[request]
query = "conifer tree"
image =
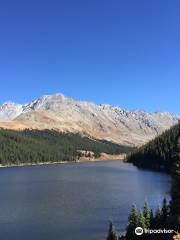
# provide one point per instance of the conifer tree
(133, 222)
(147, 214)
(175, 204)
(151, 220)
(157, 219)
(141, 220)
(112, 234)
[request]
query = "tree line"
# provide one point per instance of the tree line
(146, 219)
(162, 153)
(34, 146)
(158, 154)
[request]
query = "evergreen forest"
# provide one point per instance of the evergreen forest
(162, 154)
(38, 146)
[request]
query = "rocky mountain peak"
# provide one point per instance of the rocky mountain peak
(100, 121)
(10, 110)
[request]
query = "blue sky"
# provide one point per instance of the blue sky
(125, 53)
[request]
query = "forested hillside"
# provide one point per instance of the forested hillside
(158, 153)
(162, 153)
(33, 146)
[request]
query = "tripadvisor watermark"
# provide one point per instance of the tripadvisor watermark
(158, 231)
(140, 231)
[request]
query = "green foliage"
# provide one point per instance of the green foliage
(175, 192)
(148, 214)
(133, 222)
(147, 220)
(159, 153)
(158, 217)
(152, 225)
(112, 234)
(33, 146)
(141, 220)
(162, 153)
(137, 218)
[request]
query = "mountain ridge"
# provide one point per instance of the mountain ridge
(102, 121)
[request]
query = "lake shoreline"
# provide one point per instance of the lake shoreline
(103, 157)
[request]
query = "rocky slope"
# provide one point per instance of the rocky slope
(100, 121)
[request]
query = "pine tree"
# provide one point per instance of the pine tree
(147, 214)
(133, 222)
(152, 220)
(157, 219)
(112, 234)
(141, 220)
(175, 204)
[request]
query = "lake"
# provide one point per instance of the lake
(74, 201)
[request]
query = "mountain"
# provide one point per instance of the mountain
(10, 110)
(131, 128)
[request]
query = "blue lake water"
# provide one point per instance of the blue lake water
(73, 201)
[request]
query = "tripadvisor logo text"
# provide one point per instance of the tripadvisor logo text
(139, 231)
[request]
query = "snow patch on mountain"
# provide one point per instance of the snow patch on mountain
(10, 110)
(101, 121)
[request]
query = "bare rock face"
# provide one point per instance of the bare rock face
(58, 112)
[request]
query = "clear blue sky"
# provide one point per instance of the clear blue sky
(122, 52)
